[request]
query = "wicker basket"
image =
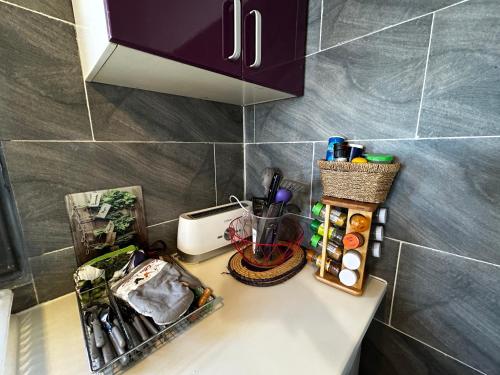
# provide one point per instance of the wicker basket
(360, 182)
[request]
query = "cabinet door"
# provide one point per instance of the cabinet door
(196, 32)
(274, 40)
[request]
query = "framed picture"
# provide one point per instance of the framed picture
(105, 220)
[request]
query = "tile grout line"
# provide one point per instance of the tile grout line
(378, 139)
(429, 346)
(244, 171)
(320, 27)
(163, 222)
(254, 123)
(258, 143)
(425, 76)
(387, 27)
(34, 288)
(445, 252)
(215, 177)
(51, 252)
(103, 141)
(395, 282)
(37, 12)
(88, 109)
(312, 175)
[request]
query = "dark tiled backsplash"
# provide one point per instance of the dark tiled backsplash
(41, 85)
(370, 87)
(389, 352)
(166, 144)
(446, 196)
(123, 114)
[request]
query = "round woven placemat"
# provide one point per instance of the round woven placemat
(250, 275)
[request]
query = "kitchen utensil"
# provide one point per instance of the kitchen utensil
(149, 326)
(93, 322)
(283, 195)
(114, 332)
(267, 176)
(292, 185)
(273, 188)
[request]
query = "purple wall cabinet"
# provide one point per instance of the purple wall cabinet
(195, 32)
(274, 42)
(234, 51)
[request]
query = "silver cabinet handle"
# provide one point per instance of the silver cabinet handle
(258, 39)
(237, 31)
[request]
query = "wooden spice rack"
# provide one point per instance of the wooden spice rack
(354, 207)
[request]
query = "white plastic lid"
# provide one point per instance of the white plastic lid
(381, 215)
(378, 233)
(348, 277)
(351, 260)
(376, 249)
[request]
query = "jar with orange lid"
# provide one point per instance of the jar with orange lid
(359, 223)
(353, 240)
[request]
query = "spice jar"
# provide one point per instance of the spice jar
(359, 223)
(348, 277)
(330, 265)
(334, 234)
(333, 250)
(353, 240)
(380, 216)
(337, 217)
(352, 260)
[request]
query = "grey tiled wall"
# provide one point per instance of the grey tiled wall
(420, 80)
(187, 154)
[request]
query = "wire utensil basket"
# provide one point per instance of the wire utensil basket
(136, 353)
(265, 242)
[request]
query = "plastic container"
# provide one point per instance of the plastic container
(359, 223)
(265, 242)
(331, 146)
(334, 234)
(381, 215)
(348, 277)
(337, 217)
(352, 260)
(330, 265)
(333, 250)
(377, 233)
(353, 240)
(379, 158)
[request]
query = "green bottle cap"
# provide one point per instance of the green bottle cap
(379, 158)
(315, 240)
(315, 225)
(316, 209)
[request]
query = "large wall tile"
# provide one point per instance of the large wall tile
(388, 352)
(41, 84)
(294, 161)
(166, 232)
(344, 20)
(450, 303)
(229, 167)
(385, 268)
(249, 131)
(313, 26)
(175, 178)
(24, 297)
(370, 88)
(462, 93)
(121, 113)
(61, 9)
(53, 273)
(442, 199)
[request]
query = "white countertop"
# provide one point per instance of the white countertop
(301, 326)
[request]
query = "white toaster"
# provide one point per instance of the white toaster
(202, 234)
